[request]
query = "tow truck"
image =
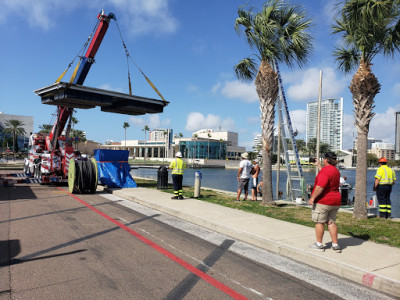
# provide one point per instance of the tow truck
(52, 158)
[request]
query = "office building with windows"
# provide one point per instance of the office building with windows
(331, 131)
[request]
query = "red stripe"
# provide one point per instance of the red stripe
(219, 285)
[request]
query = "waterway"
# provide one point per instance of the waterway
(225, 179)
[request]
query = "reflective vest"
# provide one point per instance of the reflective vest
(177, 166)
(385, 175)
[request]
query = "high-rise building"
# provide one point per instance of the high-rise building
(331, 122)
(397, 135)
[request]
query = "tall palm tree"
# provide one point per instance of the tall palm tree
(367, 28)
(14, 127)
(125, 126)
(279, 33)
(145, 129)
(45, 128)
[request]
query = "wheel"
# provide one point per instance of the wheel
(72, 177)
(96, 171)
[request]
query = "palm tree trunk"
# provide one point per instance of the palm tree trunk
(360, 209)
(267, 89)
(364, 88)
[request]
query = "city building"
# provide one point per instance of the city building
(370, 141)
(208, 145)
(397, 136)
(331, 122)
(28, 127)
(383, 150)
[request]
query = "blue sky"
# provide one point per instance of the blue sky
(188, 49)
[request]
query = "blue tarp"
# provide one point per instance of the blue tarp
(114, 168)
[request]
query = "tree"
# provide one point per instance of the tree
(45, 128)
(14, 127)
(125, 126)
(145, 129)
(367, 28)
(278, 34)
(372, 160)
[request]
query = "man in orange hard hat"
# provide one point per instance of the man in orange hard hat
(385, 178)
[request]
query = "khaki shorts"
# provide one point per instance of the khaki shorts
(324, 213)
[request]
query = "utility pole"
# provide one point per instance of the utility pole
(319, 119)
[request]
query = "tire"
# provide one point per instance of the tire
(72, 177)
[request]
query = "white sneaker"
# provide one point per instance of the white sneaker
(316, 247)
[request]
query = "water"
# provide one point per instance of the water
(225, 179)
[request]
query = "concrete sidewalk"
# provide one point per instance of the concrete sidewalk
(373, 265)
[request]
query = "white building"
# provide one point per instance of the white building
(331, 122)
(383, 150)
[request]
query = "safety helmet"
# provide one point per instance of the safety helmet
(383, 160)
(178, 154)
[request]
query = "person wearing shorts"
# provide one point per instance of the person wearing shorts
(325, 200)
(243, 176)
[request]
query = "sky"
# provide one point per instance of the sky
(188, 49)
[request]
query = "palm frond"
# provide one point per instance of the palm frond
(246, 69)
(347, 59)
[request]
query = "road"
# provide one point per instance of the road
(54, 245)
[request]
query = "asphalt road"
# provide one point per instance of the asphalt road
(54, 245)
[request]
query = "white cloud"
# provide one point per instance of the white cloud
(140, 16)
(153, 121)
(299, 119)
(39, 13)
(304, 84)
(196, 121)
(383, 125)
(237, 90)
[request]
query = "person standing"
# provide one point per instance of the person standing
(243, 176)
(256, 170)
(178, 166)
(325, 200)
(385, 178)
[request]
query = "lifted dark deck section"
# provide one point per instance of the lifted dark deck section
(78, 96)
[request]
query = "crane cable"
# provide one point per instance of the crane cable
(78, 55)
(144, 75)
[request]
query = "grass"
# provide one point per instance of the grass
(377, 230)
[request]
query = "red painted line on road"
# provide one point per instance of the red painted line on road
(219, 285)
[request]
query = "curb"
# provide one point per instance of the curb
(354, 274)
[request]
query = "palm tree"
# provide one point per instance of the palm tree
(14, 127)
(367, 28)
(145, 129)
(45, 128)
(125, 126)
(278, 34)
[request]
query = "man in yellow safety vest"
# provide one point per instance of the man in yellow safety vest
(385, 178)
(178, 166)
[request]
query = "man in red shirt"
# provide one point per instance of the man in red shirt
(325, 200)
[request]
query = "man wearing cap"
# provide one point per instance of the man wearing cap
(178, 166)
(385, 178)
(243, 176)
(325, 200)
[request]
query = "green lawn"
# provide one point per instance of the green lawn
(374, 229)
